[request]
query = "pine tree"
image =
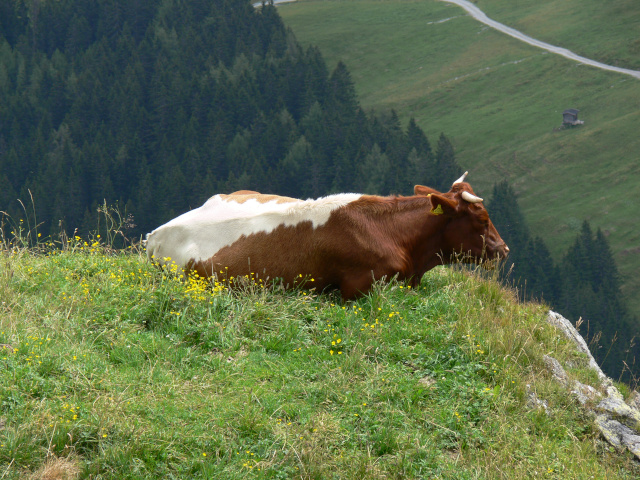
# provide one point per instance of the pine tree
(539, 272)
(342, 92)
(419, 169)
(374, 171)
(420, 163)
(591, 292)
(529, 267)
(288, 172)
(605, 276)
(507, 216)
(417, 139)
(446, 169)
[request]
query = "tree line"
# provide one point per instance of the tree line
(155, 105)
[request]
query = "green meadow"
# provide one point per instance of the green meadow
(112, 369)
(606, 32)
(500, 101)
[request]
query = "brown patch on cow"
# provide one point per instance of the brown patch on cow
(271, 254)
(359, 244)
(242, 196)
(245, 192)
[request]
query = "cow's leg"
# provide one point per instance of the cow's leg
(354, 286)
(415, 280)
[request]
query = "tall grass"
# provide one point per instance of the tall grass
(111, 368)
(22, 232)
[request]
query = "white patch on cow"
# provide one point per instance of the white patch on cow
(221, 221)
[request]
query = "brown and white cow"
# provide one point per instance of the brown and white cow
(344, 241)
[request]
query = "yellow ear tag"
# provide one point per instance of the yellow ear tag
(438, 210)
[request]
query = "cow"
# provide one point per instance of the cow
(344, 241)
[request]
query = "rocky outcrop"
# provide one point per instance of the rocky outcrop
(617, 420)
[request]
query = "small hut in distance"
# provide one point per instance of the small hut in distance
(570, 118)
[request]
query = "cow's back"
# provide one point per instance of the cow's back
(252, 221)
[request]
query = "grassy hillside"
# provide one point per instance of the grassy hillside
(110, 369)
(606, 32)
(499, 100)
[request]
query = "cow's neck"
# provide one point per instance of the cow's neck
(423, 238)
(411, 226)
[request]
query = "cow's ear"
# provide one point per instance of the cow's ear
(441, 205)
(422, 190)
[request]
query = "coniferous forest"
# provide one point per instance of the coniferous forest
(155, 105)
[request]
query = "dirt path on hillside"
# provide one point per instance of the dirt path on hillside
(479, 15)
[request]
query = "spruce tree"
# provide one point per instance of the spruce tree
(591, 292)
(507, 216)
(374, 171)
(417, 139)
(342, 92)
(446, 169)
(529, 267)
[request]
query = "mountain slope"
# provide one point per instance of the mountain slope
(604, 32)
(112, 369)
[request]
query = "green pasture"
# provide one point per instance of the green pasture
(111, 369)
(500, 101)
(608, 32)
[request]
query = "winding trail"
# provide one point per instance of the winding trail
(479, 15)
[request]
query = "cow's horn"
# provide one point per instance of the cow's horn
(461, 179)
(471, 198)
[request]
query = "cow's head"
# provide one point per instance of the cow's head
(468, 229)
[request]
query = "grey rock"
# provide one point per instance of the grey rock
(634, 400)
(621, 411)
(556, 369)
(584, 393)
(618, 435)
(618, 421)
(533, 402)
(569, 330)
